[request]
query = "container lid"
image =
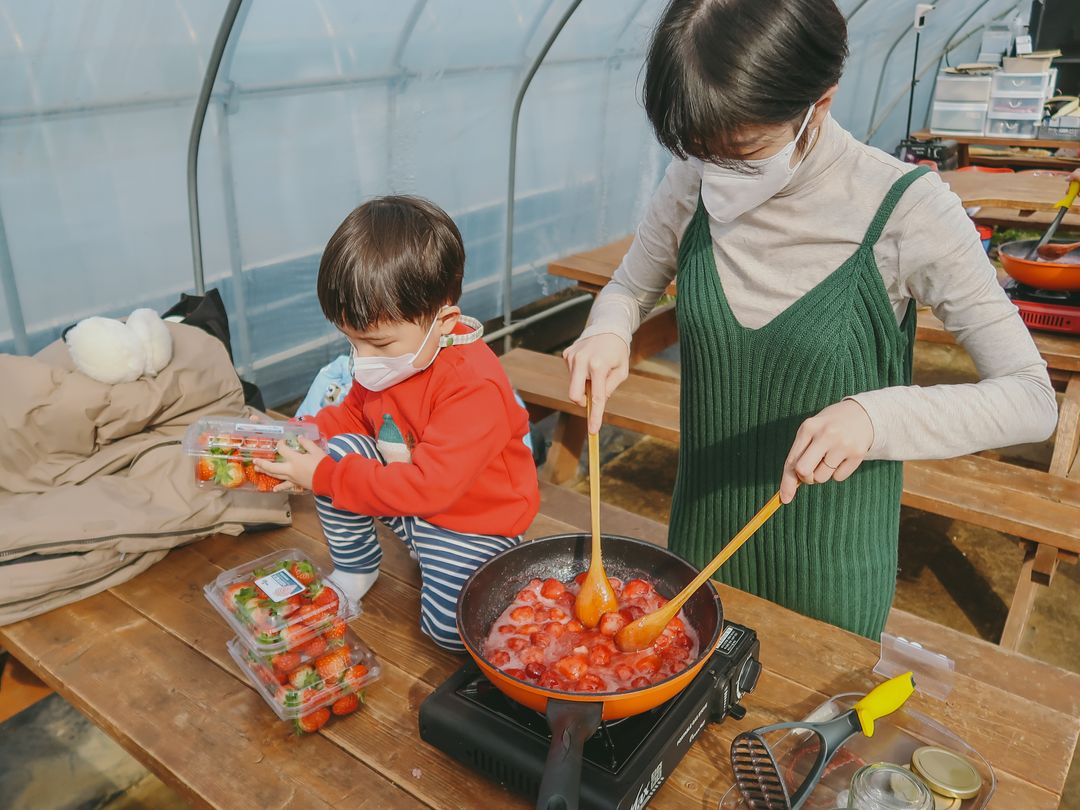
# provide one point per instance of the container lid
(945, 772)
(330, 666)
(222, 435)
(1010, 75)
(277, 602)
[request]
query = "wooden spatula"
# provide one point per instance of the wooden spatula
(640, 634)
(1055, 250)
(596, 596)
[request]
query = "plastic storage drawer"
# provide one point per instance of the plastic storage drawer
(962, 119)
(1017, 105)
(1031, 83)
(962, 88)
(1012, 127)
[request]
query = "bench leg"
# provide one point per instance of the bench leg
(1037, 571)
(564, 454)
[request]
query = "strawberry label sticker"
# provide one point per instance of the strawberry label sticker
(279, 585)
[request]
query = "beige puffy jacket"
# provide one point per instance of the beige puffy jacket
(94, 485)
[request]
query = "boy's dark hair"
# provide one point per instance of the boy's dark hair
(717, 66)
(396, 258)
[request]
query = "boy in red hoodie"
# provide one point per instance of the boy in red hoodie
(430, 438)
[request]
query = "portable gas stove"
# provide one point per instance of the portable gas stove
(625, 761)
(1048, 310)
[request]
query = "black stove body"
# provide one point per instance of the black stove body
(625, 761)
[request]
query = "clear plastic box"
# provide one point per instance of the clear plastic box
(1017, 104)
(1012, 127)
(277, 602)
(1020, 82)
(895, 739)
(951, 87)
(223, 449)
(296, 686)
(965, 119)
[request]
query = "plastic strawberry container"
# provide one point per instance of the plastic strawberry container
(294, 683)
(277, 602)
(223, 450)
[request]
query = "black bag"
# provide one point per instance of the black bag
(207, 312)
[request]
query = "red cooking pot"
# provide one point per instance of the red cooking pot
(574, 716)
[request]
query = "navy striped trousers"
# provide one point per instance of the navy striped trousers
(446, 557)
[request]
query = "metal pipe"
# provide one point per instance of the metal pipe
(11, 294)
(508, 267)
(555, 309)
(201, 106)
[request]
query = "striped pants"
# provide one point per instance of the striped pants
(447, 558)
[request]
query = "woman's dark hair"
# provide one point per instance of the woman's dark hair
(717, 66)
(393, 259)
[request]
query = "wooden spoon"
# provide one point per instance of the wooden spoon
(596, 596)
(638, 635)
(1055, 250)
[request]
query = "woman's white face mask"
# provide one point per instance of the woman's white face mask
(728, 193)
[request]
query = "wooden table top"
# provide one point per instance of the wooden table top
(989, 140)
(592, 269)
(146, 660)
(1026, 191)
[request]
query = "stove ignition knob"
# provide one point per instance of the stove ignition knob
(736, 711)
(748, 677)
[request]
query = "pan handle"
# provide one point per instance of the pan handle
(571, 723)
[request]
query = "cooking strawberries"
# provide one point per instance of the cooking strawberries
(537, 639)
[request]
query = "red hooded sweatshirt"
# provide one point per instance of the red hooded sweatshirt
(470, 470)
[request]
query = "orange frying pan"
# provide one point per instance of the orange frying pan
(1062, 274)
(575, 716)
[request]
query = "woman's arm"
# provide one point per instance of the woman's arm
(943, 264)
(602, 353)
(650, 264)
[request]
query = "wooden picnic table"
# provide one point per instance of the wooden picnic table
(1018, 200)
(146, 661)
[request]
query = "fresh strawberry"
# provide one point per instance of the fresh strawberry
(205, 469)
(313, 648)
(250, 472)
(237, 594)
(313, 615)
(265, 482)
(312, 722)
(268, 637)
(345, 705)
(287, 697)
(295, 634)
(231, 475)
(286, 661)
(331, 665)
(327, 598)
(302, 677)
(304, 572)
(336, 632)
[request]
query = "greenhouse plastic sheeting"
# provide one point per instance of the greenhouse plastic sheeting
(321, 104)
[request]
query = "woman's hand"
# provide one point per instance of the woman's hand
(296, 468)
(1073, 178)
(603, 359)
(829, 446)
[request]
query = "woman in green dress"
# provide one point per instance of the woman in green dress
(799, 255)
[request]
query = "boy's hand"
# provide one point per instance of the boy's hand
(295, 468)
(829, 446)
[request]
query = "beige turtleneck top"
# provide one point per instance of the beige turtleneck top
(930, 252)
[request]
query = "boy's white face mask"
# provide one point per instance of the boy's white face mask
(728, 193)
(379, 373)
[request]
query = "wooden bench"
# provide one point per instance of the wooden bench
(146, 660)
(1040, 508)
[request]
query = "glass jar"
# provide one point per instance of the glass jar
(884, 786)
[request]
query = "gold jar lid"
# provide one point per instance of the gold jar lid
(941, 802)
(946, 773)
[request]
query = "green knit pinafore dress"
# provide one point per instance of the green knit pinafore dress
(832, 552)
